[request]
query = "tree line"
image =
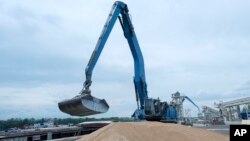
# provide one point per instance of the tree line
(22, 123)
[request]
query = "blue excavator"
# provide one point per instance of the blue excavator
(85, 104)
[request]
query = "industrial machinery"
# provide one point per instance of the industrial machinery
(147, 108)
(235, 111)
(212, 116)
(178, 100)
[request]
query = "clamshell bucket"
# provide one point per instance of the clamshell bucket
(83, 105)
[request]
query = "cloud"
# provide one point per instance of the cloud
(200, 48)
(41, 101)
(29, 102)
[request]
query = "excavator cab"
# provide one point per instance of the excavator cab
(83, 105)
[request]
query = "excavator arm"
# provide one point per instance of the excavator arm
(120, 11)
(85, 104)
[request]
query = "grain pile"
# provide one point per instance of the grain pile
(152, 131)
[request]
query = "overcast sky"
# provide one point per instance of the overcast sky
(200, 48)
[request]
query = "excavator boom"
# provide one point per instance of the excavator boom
(85, 104)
